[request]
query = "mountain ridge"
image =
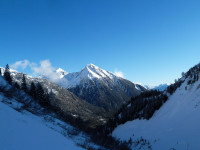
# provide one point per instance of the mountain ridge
(100, 87)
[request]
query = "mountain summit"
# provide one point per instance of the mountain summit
(99, 87)
(90, 72)
(93, 71)
(61, 72)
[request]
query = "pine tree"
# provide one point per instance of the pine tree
(47, 99)
(40, 94)
(130, 142)
(7, 75)
(0, 72)
(33, 90)
(16, 85)
(24, 86)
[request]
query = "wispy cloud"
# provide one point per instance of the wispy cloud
(46, 69)
(20, 64)
(119, 73)
(43, 68)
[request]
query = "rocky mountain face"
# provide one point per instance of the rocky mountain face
(100, 88)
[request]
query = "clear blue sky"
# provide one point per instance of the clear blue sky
(150, 41)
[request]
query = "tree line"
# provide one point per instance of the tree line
(142, 106)
(36, 91)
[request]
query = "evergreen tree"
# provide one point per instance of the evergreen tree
(7, 75)
(33, 90)
(40, 94)
(46, 99)
(130, 141)
(24, 86)
(16, 85)
(0, 72)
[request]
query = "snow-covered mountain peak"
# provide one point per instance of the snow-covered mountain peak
(100, 87)
(61, 72)
(91, 71)
(91, 66)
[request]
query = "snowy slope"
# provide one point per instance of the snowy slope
(176, 125)
(21, 132)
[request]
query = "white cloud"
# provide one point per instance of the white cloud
(20, 64)
(46, 69)
(119, 73)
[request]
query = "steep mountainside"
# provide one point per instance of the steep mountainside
(22, 132)
(67, 102)
(176, 124)
(100, 87)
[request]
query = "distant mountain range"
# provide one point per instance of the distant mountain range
(160, 87)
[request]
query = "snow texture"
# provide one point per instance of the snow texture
(61, 72)
(175, 126)
(21, 132)
(90, 72)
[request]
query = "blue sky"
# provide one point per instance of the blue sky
(150, 41)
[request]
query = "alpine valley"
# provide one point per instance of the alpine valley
(96, 109)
